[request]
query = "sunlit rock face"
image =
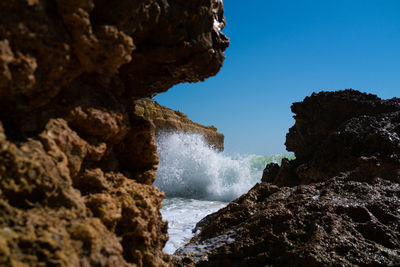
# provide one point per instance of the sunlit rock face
(337, 203)
(76, 163)
(164, 120)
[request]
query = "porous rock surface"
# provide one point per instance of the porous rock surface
(341, 131)
(76, 163)
(164, 120)
(336, 204)
(134, 47)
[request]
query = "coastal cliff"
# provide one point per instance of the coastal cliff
(337, 203)
(76, 163)
(163, 119)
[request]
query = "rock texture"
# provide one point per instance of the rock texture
(342, 131)
(135, 47)
(76, 162)
(163, 120)
(336, 204)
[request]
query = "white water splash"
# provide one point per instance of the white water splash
(190, 168)
(182, 215)
(198, 180)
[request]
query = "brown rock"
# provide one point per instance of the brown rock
(163, 119)
(108, 126)
(139, 48)
(43, 182)
(99, 48)
(59, 139)
(76, 162)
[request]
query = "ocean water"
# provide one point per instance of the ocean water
(198, 180)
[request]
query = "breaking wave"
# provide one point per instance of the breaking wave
(190, 168)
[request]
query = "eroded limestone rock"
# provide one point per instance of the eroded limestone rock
(163, 120)
(136, 47)
(76, 162)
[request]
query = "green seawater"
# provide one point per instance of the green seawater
(258, 162)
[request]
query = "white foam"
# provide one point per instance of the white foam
(198, 180)
(182, 215)
(190, 168)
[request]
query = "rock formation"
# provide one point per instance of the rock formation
(163, 119)
(336, 204)
(342, 131)
(76, 162)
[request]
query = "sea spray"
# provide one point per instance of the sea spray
(199, 180)
(190, 168)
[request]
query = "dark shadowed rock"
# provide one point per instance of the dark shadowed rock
(342, 131)
(338, 222)
(319, 115)
(336, 204)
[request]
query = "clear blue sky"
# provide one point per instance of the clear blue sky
(282, 51)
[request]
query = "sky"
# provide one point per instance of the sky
(284, 50)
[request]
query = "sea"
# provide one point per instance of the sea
(199, 180)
